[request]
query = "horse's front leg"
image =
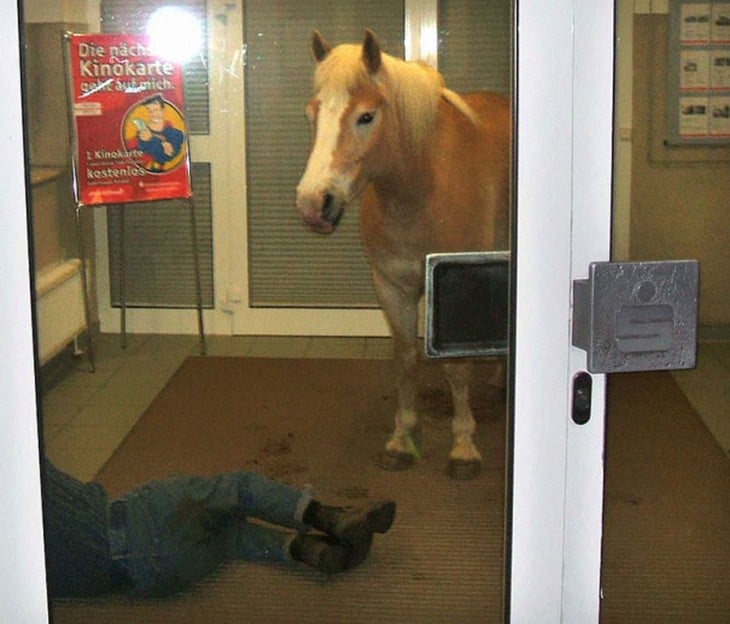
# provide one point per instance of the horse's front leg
(465, 461)
(400, 306)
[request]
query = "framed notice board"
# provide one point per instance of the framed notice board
(698, 110)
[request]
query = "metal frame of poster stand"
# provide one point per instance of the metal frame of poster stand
(77, 193)
(84, 289)
(196, 268)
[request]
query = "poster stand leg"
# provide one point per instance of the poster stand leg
(84, 289)
(198, 287)
(122, 281)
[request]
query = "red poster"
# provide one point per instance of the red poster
(130, 133)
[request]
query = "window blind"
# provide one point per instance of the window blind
(288, 265)
(475, 44)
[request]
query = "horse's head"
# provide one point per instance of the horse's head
(346, 113)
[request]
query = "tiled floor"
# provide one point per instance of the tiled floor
(86, 415)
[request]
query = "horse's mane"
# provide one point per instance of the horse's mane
(414, 87)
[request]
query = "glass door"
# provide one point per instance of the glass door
(563, 168)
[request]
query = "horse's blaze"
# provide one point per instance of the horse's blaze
(319, 199)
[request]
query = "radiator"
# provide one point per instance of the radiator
(59, 307)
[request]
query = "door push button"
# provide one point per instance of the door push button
(582, 393)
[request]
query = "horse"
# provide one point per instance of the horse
(432, 171)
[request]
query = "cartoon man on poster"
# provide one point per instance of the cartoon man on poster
(158, 132)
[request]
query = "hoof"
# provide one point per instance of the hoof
(464, 469)
(393, 460)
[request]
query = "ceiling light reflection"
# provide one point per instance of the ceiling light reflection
(174, 34)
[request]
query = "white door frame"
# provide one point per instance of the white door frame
(564, 137)
(22, 587)
(564, 145)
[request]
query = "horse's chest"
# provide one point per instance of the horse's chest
(396, 248)
(400, 269)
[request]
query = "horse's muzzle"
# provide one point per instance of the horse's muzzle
(326, 219)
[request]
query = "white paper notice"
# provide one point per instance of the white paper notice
(693, 117)
(695, 25)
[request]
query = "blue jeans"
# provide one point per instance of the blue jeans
(170, 533)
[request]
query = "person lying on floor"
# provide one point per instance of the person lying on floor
(167, 534)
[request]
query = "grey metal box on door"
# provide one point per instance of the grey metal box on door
(467, 304)
(637, 316)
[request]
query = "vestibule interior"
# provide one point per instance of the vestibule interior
(670, 201)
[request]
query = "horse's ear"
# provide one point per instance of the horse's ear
(371, 52)
(320, 47)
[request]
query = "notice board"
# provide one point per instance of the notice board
(698, 110)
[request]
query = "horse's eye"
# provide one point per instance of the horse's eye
(365, 119)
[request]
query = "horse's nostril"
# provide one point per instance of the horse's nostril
(327, 207)
(330, 212)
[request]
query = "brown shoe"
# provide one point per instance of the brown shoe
(327, 555)
(349, 525)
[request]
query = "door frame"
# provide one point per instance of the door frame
(22, 569)
(564, 115)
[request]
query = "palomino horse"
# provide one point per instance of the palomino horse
(432, 170)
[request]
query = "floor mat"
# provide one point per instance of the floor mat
(323, 422)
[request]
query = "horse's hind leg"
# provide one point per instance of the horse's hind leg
(465, 461)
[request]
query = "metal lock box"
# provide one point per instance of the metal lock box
(637, 316)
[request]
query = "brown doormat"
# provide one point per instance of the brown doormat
(666, 554)
(323, 422)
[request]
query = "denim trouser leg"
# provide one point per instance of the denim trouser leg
(248, 541)
(266, 499)
(172, 532)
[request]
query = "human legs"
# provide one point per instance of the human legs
(169, 533)
(274, 502)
